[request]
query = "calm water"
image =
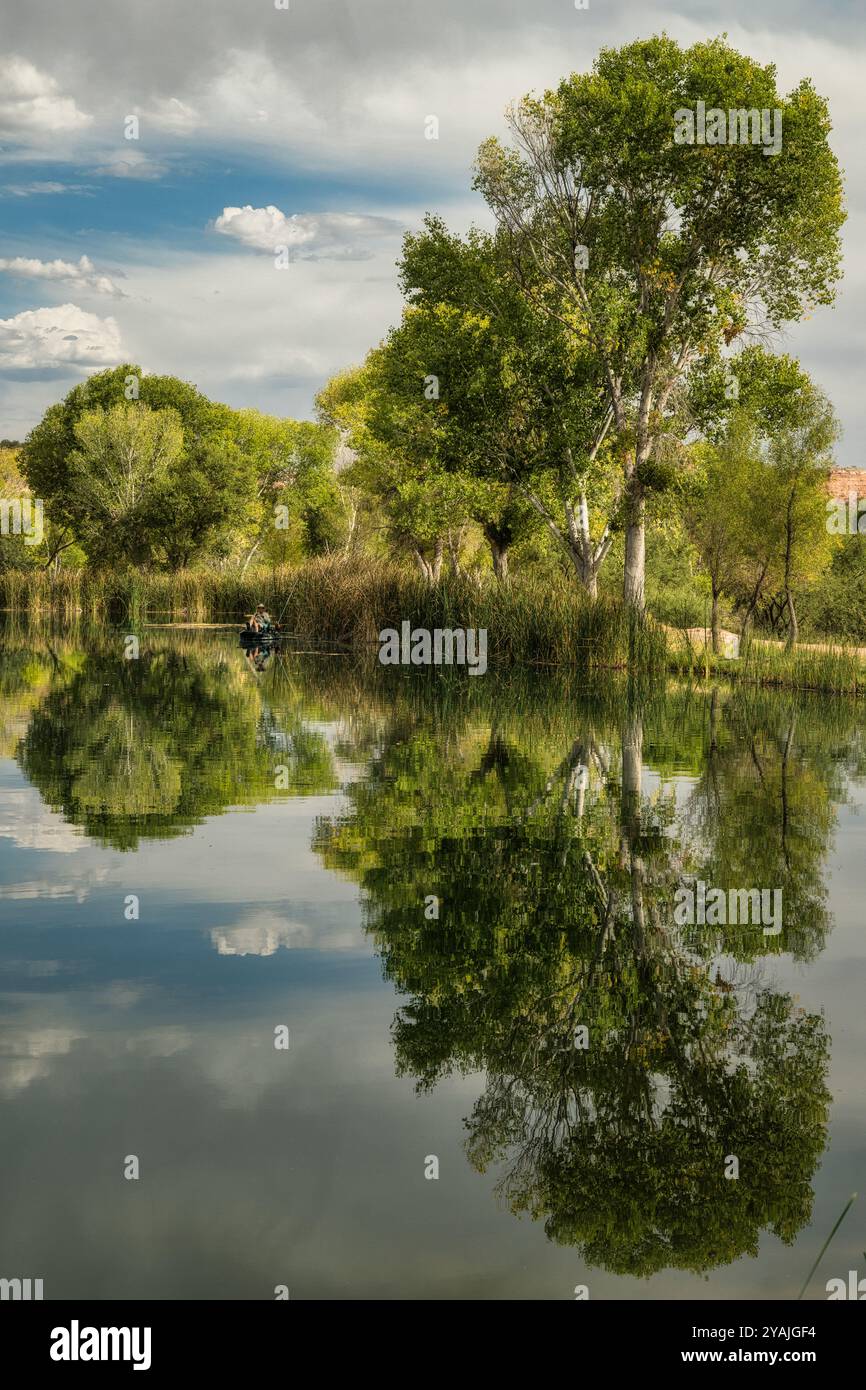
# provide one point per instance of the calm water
(289, 836)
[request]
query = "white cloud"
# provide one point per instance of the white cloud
(80, 273)
(263, 933)
(32, 104)
(130, 164)
(256, 89)
(250, 334)
(61, 336)
(170, 114)
(310, 236)
(31, 825)
(42, 187)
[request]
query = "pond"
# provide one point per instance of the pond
(356, 982)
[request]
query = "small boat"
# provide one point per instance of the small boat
(251, 638)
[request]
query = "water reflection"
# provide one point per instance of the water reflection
(132, 749)
(518, 851)
(624, 1066)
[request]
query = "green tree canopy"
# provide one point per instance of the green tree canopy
(656, 252)
(203, 495)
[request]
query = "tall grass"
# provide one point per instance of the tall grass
(349, 601)
(531, 620)
(838, 669)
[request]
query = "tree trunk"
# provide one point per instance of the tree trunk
(635, 549)
(793, 625)
(454, 551)
(716, 626)
(424, 566)
(436, 566)
(586, 570)
(499, 554)
(249, 557)
(750, 611)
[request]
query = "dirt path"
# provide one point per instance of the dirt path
(699, 637)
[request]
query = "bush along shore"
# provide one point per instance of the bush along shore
(347, 602)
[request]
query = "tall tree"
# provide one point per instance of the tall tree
(205, 496)
(123, 457)
(659, 251)
(398, 461)
(517, 398)
(296, 489)
(771, 447)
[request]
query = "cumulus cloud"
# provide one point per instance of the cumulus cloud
(81, 273)
(31, 102)
(65, 336)
(309, 236)
(340, 92)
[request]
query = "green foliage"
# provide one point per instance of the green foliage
(299, 507)
(567, 869)
(117, 478)
(835, 603)
(520, 395)
(680, 245)
(136, 750)
(203, 493)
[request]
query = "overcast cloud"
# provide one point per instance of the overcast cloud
(305, 127)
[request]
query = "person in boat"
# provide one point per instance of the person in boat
(261, 620)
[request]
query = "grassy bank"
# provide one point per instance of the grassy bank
(533, 621)
(839, 669)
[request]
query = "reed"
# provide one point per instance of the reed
(346, 601)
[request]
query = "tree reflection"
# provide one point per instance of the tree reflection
(626, 1058)
(147, 748)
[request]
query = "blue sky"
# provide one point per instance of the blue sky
(317, 113)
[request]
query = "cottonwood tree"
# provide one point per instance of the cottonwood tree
(444, 398)
(14, 552)
(800, 459)
(397, 462)
(294, 469)
(651, 252)
(207, 493)
(123, 456)
(518, 399)
(720, 511)
(769, 456)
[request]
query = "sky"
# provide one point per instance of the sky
(305, 126)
